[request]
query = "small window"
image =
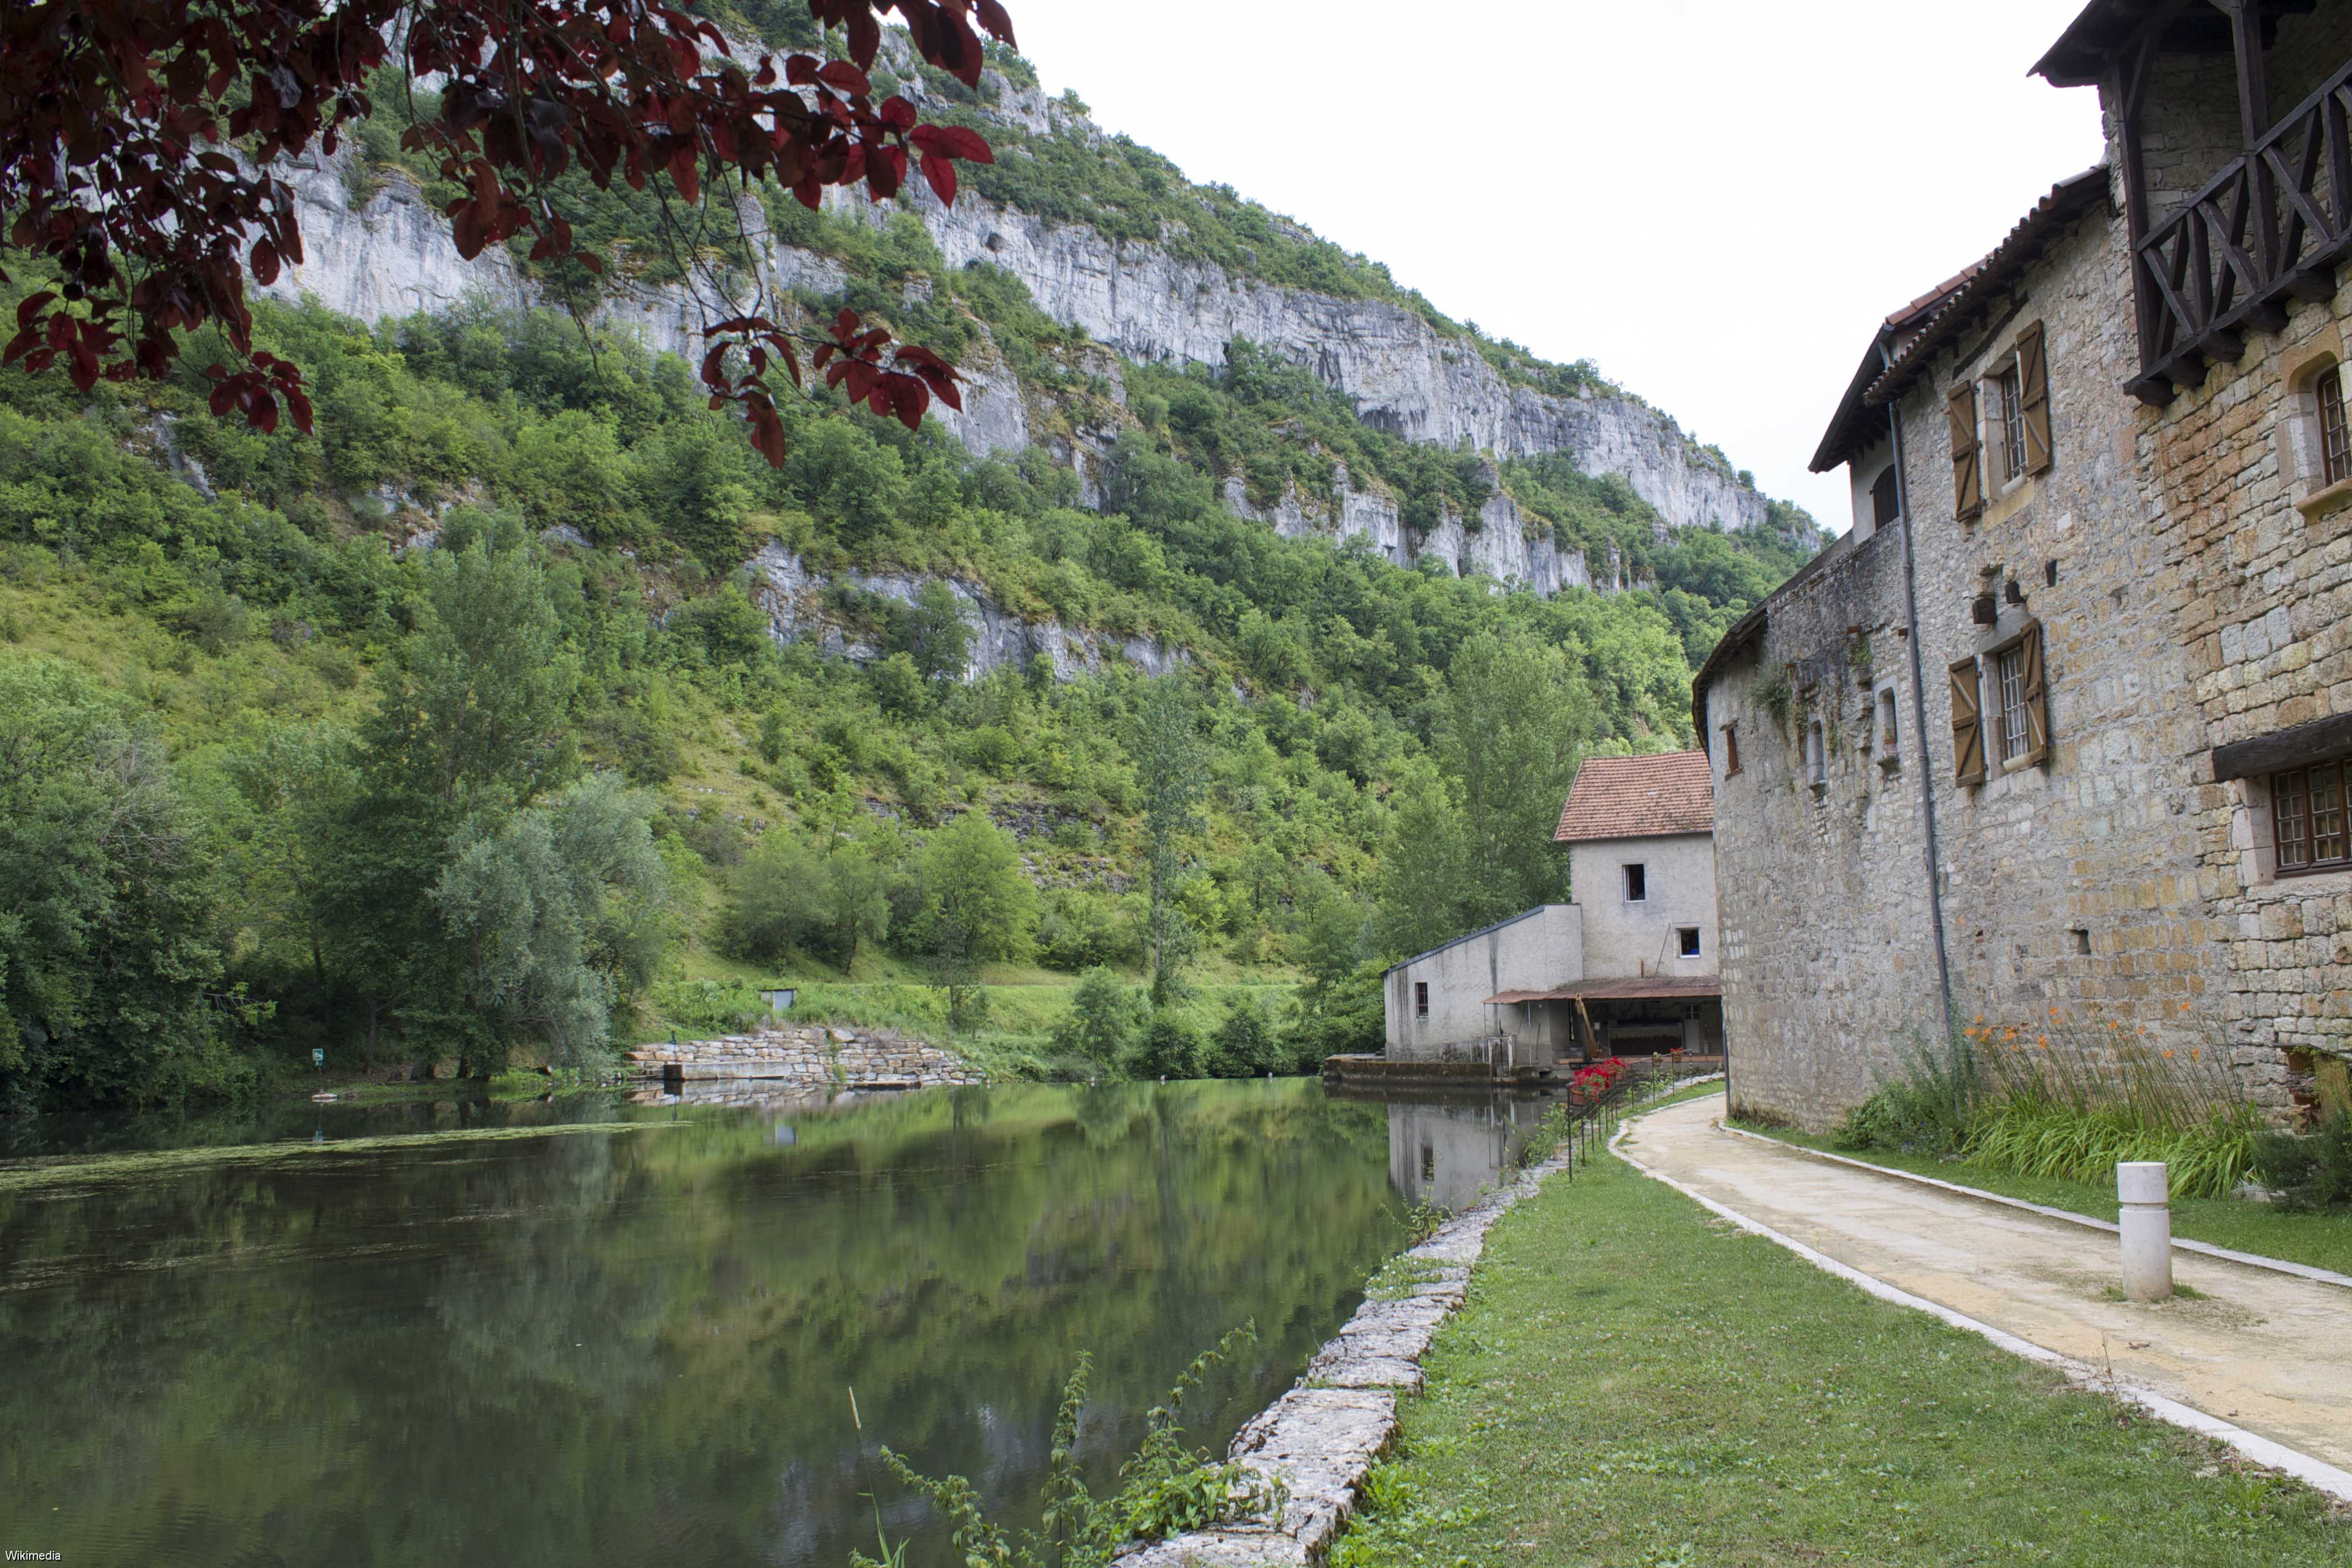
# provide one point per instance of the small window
(1817, 756)
(1637, 882)
(2307, 818)
(1730, 749)
(1686, 941)
(1884, 503)
(1420, 999)
(1888, 735)
(2008, 407)
(2008, 668)
(1428, 1162)
(2334, 442)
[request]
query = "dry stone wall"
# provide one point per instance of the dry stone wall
(784, 1059)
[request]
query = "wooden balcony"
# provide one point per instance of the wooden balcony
(2271, 227)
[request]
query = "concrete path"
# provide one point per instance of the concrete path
(2268, 1351)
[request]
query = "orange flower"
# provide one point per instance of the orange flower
(2053, 1012)
(2167, 1056)
(2195, 1051)
(1979, 1017)
(2044, 1042)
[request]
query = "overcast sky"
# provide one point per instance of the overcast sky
(1716, 201)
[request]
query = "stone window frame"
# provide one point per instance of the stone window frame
(2341, 766)
(1731, 750)
(1817, 756)
(2254, 838)
(2302, 456)
(1999, 372)
(1886, 724)
(1689, 942)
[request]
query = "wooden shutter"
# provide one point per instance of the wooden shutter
(2033, 391)
(1967, 724)
(1968, 455)
(2037, 707)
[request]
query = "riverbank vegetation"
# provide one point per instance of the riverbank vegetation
(1631, 1383)
(2065, 1096)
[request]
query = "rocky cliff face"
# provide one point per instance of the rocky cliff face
(384, 252)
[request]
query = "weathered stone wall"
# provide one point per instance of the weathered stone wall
(2184, 602)
(786, 1058)
(2262, 609)
(2189, 129)
(1827, 952)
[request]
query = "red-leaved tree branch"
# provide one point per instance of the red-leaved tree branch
(138, 140)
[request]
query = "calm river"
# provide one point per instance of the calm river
(593, 1333)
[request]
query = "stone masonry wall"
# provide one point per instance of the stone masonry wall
(785, 1058)
(2262, 609)
(2184, 601)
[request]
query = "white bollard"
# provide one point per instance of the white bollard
(2146, 1221)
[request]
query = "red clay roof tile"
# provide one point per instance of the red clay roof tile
(1639, 798)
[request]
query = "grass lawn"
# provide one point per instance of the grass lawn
(1634, 1385)
(2323, 1240)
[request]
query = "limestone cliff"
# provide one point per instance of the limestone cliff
(381, 252)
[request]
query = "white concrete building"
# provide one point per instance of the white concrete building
(1626, 969)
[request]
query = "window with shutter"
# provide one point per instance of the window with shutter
(2036, 704)
(1967, 456)
(1884, 502)
(1967, 724)
(2034, 396)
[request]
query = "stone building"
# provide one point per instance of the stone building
(2060, 729)
(1627, 968)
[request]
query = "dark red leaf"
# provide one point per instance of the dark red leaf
(942, 174)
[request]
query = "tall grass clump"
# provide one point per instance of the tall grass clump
(1927, 1106)
(2069, 1100)
(1166, 1488)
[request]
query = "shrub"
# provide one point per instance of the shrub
(1245, 1045)
(1102, 1018)
(1170, 1048)
(1925, 1109)
(2313, 1171)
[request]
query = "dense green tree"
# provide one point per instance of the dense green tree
(551, 914)
(1168, 1047)
(1104, 1018)
(1245, 1044)
(1171, 767)
(977, 904)
(107, 953)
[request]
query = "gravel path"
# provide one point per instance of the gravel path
(2268, 1351)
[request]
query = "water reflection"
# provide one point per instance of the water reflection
(1447, 1153)
(631, 1335)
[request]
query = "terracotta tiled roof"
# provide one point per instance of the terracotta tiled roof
(1639, 798)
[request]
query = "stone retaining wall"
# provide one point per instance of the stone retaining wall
(1319, 1441)
(807, 1058)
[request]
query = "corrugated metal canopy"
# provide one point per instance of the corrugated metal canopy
(1630, 988)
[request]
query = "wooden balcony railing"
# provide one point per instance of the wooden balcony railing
(2270, 228)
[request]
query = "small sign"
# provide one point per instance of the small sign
(317, 1057)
